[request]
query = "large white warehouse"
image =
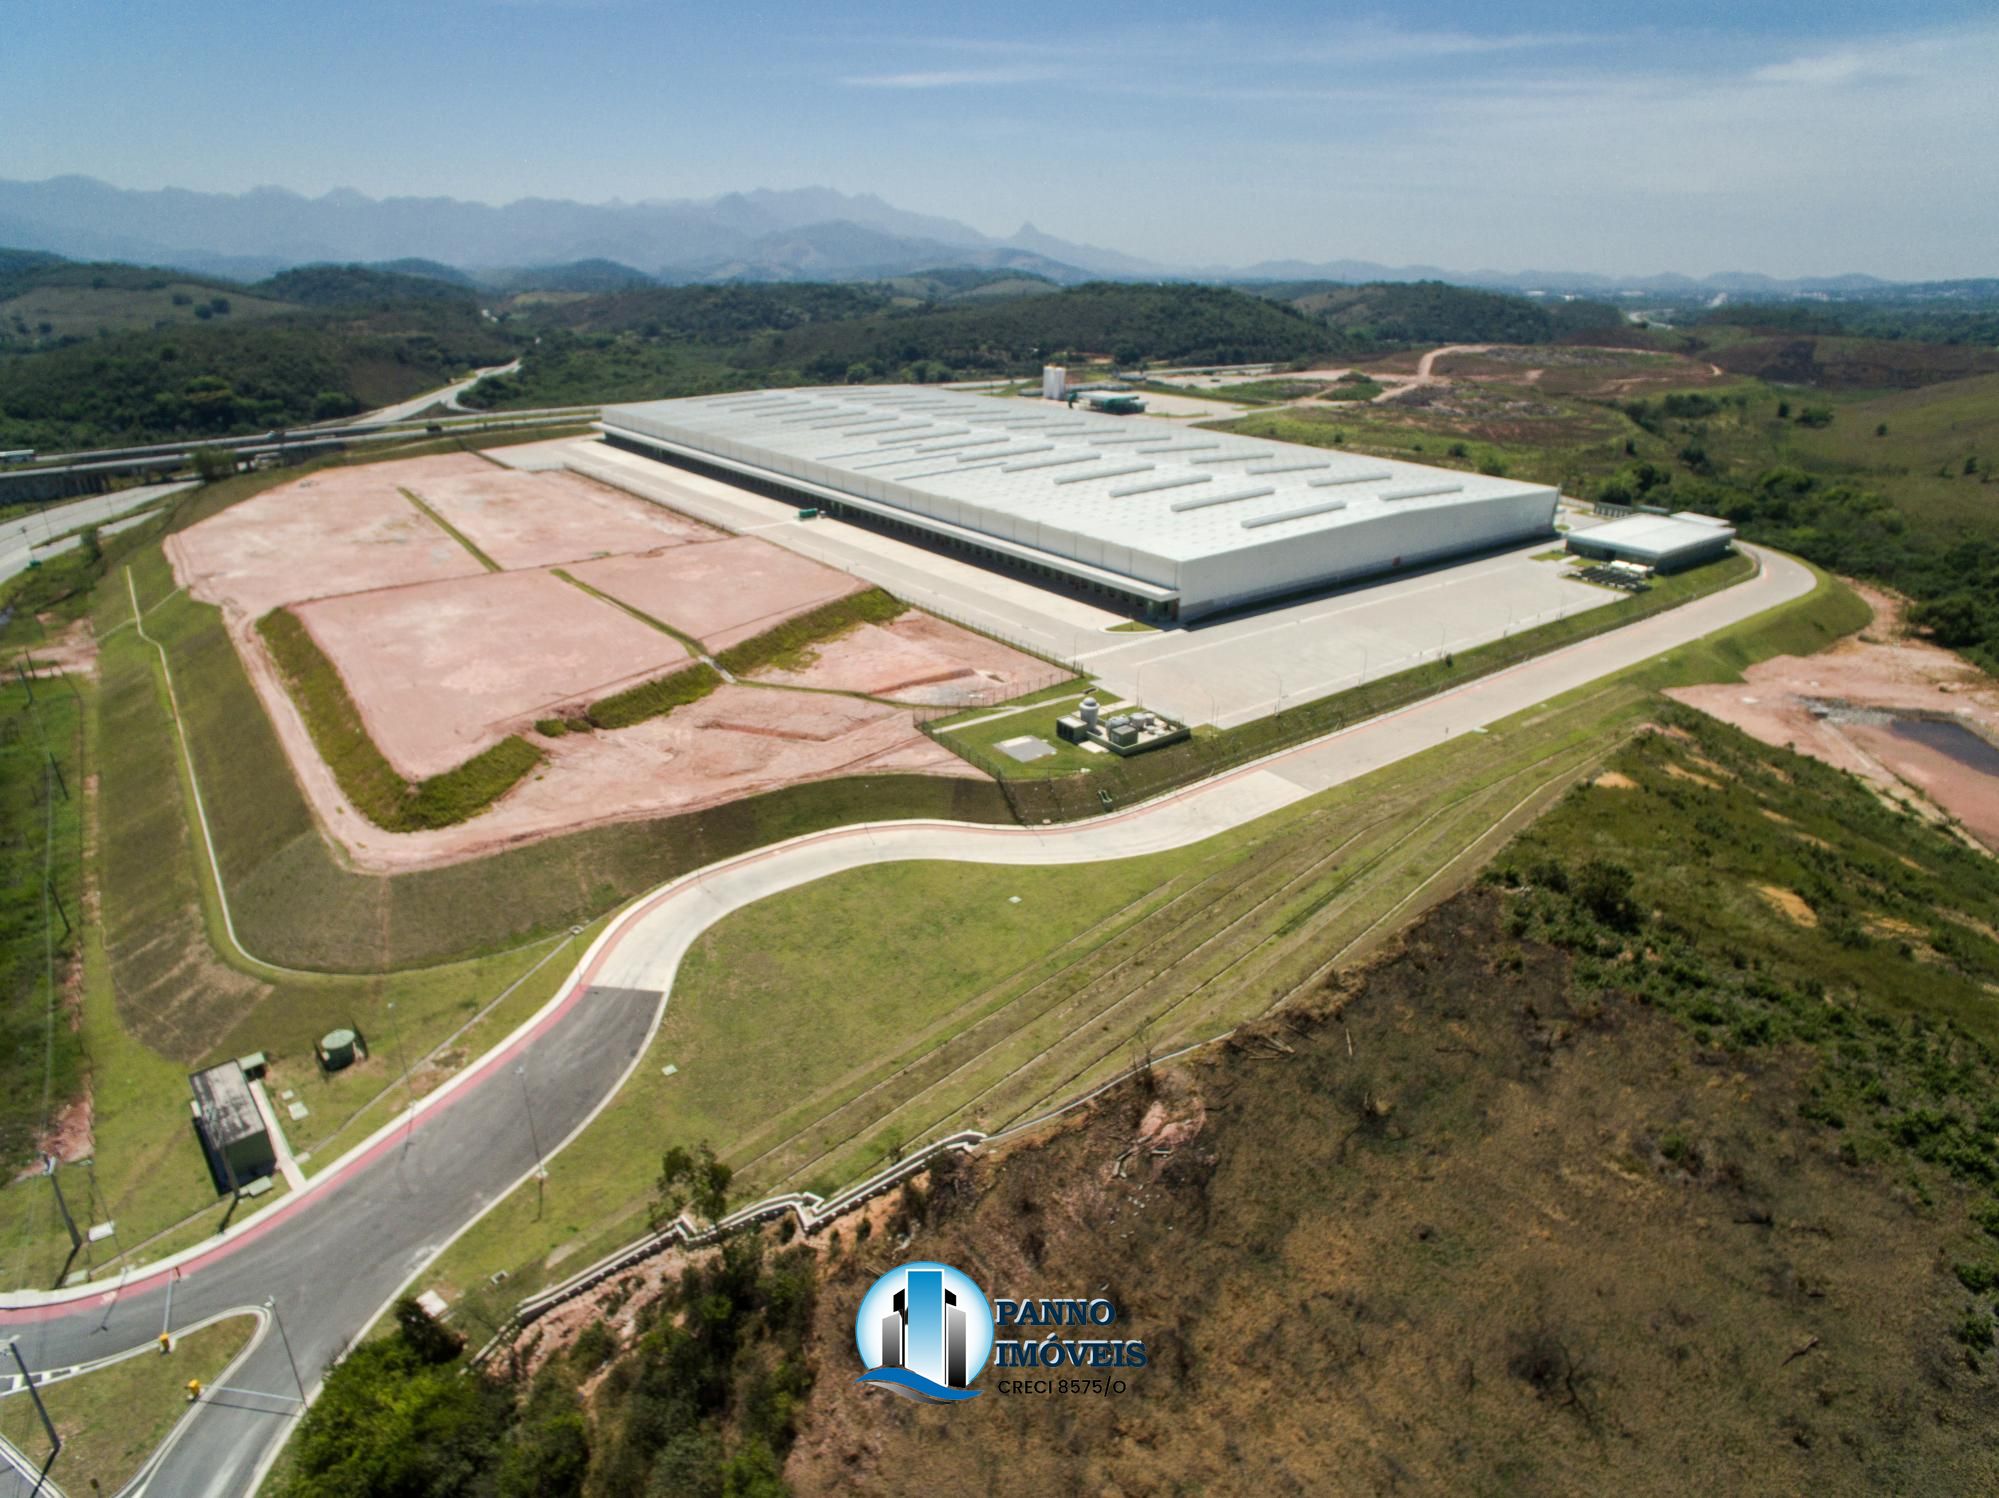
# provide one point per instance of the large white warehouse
(1171, 520)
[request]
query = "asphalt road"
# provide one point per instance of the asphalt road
(446, 396)
(336, 1253)
(26, 537)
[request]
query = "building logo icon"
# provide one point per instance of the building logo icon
(925, 1330)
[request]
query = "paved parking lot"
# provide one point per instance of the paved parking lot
(1247, 667)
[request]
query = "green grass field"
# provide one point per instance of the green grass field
(962, 1008)
(1920, 459)
(41, 865)
(981, 734)
(84, 311)
(110, 1420)
(1528, 434)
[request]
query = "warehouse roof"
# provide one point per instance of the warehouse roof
(1010, 466)
(1647, 536)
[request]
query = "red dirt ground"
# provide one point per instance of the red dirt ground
(720, 594)
(543, 519)
(739, 741)
(1876, 669)
(443, 658)
(441, 670)
(920, 658)
(340, 531)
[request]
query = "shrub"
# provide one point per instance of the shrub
(651, 699)
(773, 646)
(1604, 890)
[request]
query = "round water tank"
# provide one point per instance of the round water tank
(337, 1047)
(1088, 709)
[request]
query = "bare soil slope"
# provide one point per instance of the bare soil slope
(1441, 1231)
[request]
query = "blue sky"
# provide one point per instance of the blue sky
(1785, 137)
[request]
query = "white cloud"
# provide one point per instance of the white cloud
(954, 78)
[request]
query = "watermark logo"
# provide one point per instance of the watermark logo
(925, 1330)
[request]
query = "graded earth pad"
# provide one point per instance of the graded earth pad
(340, 531)
(1836, 707)
(542, 519)
(722, 593)
(738, 741)
(441, 670)
(918, 658)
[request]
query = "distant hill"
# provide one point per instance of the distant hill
(960, 284)
(1432, 312)
(357, 286)
(578, 275)
(428, 269)
(764, 235)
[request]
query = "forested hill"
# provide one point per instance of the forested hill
(1389, 312)
(217, 378)
(689, 340)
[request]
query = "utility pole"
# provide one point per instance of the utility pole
(49, 1163)
(57, 898)
(540, 1170)
(55, 1441)
(271, 1305)
(402, 1060)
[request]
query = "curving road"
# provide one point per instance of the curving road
(335, 1253)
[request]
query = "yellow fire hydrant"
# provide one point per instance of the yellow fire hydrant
(193, 1390)
(166, 1343)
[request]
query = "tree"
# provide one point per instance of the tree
(1604, 890)
(690, 1179)
(388, 1423)
(212, 463)
(431, 1340)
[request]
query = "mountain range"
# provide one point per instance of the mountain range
(810, 233)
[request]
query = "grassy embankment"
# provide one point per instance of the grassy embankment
(164, 989)
(962, 1008)
(111, 1420)
(41, 861)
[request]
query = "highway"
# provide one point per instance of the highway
(32, 535)
(446, 396)
(336, 1253)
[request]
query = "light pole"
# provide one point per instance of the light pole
(402, 1060)
(534, 1137)
(271, 1305)
(48, 1425)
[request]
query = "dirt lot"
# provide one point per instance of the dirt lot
(339, 531)
(739, 741)
(443, 658)
(441, 670)
(543, 519)
(919, 658)
(720, 594)
(1880, 669)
